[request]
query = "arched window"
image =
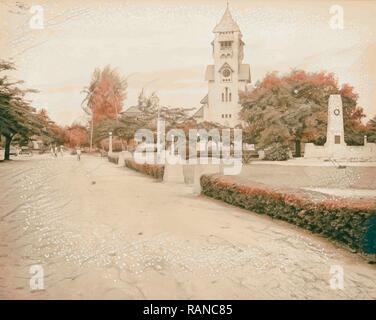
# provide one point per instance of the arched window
(226, 95)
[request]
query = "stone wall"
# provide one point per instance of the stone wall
(341, 152)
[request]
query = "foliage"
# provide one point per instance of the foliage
(371, 130)
(348, 222)
(114, 158)
(51, 133)
(298, 102)
(105, 94)
(126, 126)
(17, 116)
(76, 135)
(276, 152)
(154, 170)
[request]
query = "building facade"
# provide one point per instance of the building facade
(227, 76)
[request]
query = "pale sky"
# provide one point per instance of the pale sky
(165, 46)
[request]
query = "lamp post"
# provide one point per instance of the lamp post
(110, 142)
(155, 102)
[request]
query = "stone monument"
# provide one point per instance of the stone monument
(335, 147)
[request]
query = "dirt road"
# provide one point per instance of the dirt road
(101, 231)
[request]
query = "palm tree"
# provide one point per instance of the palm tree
(104, 97)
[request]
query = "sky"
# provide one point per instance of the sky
(164, 46)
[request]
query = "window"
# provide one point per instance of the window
(226, 95)
(226, 44)
(226, 75)
(337, 139)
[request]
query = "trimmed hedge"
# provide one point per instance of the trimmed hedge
(114, 158)
(154, 170)
(352, 223)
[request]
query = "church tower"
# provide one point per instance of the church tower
(227, 75)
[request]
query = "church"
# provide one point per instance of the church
(226, 77)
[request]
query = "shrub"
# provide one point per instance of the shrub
(114, 158)
(276, 152)
(352, 223)
(154, 170)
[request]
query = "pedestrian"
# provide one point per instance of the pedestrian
(78, 151)
(61, 151)
(55, 151)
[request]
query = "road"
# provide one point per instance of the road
(102, 231)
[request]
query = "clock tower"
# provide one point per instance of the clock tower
(227, 76)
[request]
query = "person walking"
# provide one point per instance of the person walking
(78, 151)
(61, 151)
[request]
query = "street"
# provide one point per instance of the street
(103, 231)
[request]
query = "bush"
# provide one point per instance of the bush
(276, 152)
(352, 223)
(114, 158)
(154, 170)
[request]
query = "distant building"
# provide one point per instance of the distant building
(226, 76)
(132, 111)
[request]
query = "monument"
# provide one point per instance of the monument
(335, 147)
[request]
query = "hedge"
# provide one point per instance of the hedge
(154, 170)
(114, 158)
(349, 222)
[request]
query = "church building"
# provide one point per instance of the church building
(227, 76)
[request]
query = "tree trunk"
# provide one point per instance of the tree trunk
(8, 140)
(298, 149)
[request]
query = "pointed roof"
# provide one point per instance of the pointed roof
(227, 23)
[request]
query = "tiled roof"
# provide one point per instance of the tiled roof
(204, 100)
(199, 113)
(132, 110)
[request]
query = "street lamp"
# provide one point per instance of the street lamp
(110, 142)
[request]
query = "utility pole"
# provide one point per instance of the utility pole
(91, 131)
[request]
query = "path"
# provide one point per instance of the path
(101, 231)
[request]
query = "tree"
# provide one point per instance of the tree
(104, 96)
(371, 130)
(17, 116)
(126, 126)
(51, 133)
(298, 102)
(76, 135)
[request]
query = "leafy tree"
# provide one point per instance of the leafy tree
(371, 130)
(51, 133)
(126, 126)
(104, 96)
(17, 116)
(298, 102)
(76, 135)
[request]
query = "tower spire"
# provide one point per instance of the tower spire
(227, 22)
